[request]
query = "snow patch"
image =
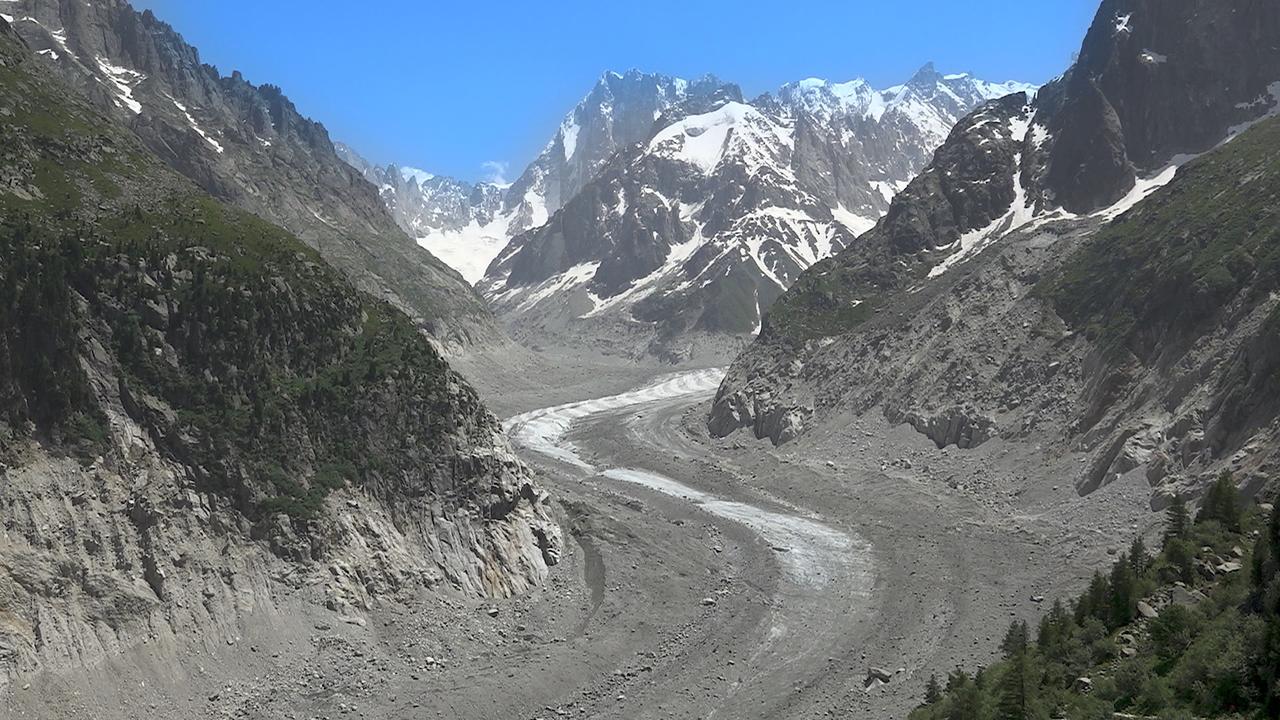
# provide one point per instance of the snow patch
(469, 250)
(1152, 57)
(645, 286)
(567, 280)
(570, 133)
(856, 224)
(1123, 23)
(1144, 187)
(195, 126)
(124, 80)
(421, 176)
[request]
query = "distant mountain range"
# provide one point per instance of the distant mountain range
(678, 210)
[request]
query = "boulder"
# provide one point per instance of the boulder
(875, 674)
(1146, 611)
(1186, 598)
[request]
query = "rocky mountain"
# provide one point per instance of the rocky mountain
(460, 223)
(201, 421)
(1064, 273)
(247, 145)
(469, 224)
(683, 239)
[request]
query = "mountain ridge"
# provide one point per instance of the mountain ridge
(1011, 198)
(250, 146)
(218, 423)
(748, 190)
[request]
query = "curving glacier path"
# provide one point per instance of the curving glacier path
(810, 552)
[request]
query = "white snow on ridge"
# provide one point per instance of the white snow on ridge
(703, 141)
(124, 80)
(6, 18)
(1020, 213)
(858, 97)
(195, 126)
(570, 133)
(409, 173)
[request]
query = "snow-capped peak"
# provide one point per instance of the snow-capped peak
(704, 140)
(857, 97)
(409, 173)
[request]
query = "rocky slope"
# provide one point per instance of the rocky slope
(1007, 294)
(691, 234)
(247, 145)
(203, 422)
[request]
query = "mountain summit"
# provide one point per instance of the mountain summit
(683, 239)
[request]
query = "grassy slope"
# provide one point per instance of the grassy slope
(1164, 270)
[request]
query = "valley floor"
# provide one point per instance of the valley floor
(677, 604)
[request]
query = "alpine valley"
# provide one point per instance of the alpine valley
(949, 400)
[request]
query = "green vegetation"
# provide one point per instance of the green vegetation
(830, 299)
(41, 381)
(1214, 652)
(1163, 271)
(245, 357)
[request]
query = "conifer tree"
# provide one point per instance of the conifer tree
(1177, 520)
(932, 691)
(1123, 593)
(1013, 696)
(1221, 504)
(1015, 639)
(1139, 559)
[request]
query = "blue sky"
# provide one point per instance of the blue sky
(453, 86)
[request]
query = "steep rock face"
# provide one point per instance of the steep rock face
(201, 419)
(1158, 303)
(619, 111)
(247, 145)
(467, 225)
(694, 232)
(1155, 79)
(422, 202)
